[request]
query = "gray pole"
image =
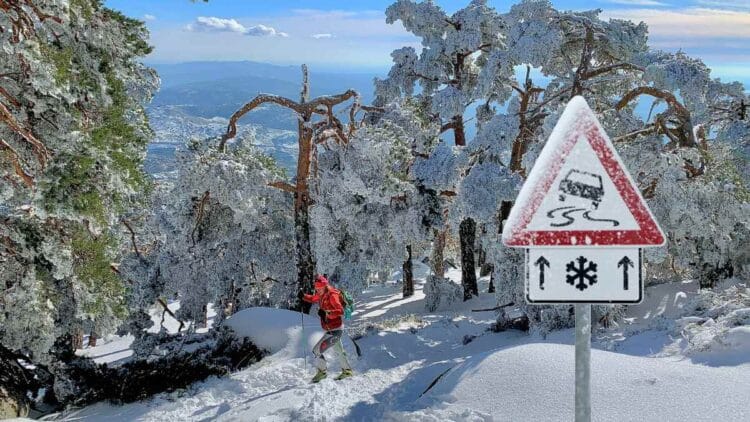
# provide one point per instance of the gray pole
(304, 339)
(583, 362)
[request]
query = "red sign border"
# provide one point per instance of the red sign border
(649, 233)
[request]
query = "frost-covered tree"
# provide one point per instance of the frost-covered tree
(224, 236)
(689, 169)
(454, 49)
(610, 64)
(369, 214)
(73, 136)
(578, 54)
(317, 123)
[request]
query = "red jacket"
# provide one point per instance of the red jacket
(330, 302)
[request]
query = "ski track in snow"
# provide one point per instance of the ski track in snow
(495, 376)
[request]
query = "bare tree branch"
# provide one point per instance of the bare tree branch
(648, 90)
(448, 126)
(286, 187)
(650, 128)
(16, 161)
(605, 69)
(302, 109)
(163, 304)
(199, 217)
(40, 150)
(132, 236)
(9, 97)
(682, 134)
(372, 109)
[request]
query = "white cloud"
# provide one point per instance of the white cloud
(264, 31)
(214, 24)
(319, 36)
(638, 2)
(149, 17)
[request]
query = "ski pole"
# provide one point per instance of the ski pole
(302, 340)
(356, 346)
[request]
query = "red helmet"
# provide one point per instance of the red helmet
(320, 282)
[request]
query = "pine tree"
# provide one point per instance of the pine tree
(454, 49)
(73, 136)
(368, 210)
(225, 236)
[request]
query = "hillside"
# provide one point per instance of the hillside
(449, 366)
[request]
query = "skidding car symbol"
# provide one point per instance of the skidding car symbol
(584, 184)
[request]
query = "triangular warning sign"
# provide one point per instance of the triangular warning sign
(579, 193)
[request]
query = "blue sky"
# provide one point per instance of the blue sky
(353, 36)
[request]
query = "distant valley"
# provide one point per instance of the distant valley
(196, 100)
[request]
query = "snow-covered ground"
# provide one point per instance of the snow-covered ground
(643, 370)
(115, 348)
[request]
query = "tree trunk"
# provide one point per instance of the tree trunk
(305, 261)
(491, 289)
(481, 258)
(505, 208)
(467, 233)
(93, 338)
(485, 268)
(77, 339)
(438, 249)
(459, 136)
(306, 130)
(203, 323)
(408, 274)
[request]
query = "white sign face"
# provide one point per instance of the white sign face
(583, 275)
(583, 197)
(579, 193)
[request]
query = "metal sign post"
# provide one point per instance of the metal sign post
(583, 223)
(583, 362)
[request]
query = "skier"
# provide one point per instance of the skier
(331, 319)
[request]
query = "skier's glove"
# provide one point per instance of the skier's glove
(322, 313)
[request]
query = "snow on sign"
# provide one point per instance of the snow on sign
(579, 194)
(581, 218)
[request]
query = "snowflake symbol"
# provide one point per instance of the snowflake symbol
(581, 273)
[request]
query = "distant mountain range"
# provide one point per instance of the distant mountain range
(197, 98)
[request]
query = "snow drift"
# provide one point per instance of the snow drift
(536, 382)
(278, 331)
